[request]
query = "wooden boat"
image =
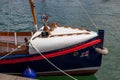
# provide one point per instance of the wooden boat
(50, 49)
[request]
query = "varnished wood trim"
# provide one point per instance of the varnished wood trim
(58, 73)
(33, 13)
(23, 33)
(17, 33)
(6, 33)
(69, 34)
(11, 45)
(78, 72)
(24, 51)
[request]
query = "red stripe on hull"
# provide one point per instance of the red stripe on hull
(50, 55)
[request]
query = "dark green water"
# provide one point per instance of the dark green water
(105, 13)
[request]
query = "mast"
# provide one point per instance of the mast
(33, 13)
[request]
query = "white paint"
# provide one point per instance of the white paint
(15, 36)
(103, 51)
(57, 42)
(36, 28)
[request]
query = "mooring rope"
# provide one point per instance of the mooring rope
(52, 63)
(11, 52)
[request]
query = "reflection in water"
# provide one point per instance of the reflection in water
(91, 77)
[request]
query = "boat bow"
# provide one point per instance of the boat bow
(60, 38)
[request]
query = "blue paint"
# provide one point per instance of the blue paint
(64, 62)
(101, 36)
(30, 73)
(16, 56)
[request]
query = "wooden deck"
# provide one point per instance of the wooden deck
(11, 40)
(10, 77)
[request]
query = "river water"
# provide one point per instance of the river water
(15, 15)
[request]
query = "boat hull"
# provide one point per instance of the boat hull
(82, 62)
(79, 59)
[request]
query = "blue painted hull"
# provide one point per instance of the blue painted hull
(75, 60)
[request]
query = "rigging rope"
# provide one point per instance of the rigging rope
(85, 11)
(52, 63)
(44, 6)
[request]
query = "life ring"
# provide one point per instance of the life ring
(103, 51)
